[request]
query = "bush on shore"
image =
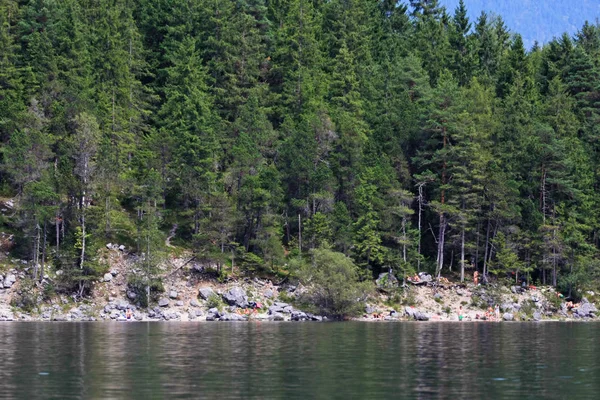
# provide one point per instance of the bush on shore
(333, 286)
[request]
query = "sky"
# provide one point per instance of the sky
(535, 20)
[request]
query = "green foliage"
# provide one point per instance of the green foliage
(403, 135)
(140, 285)
(26, 298)
(215, 301)
(333, 286)
(528, 307)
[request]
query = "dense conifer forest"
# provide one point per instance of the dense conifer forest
(252, 132)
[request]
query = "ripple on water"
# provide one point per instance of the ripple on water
(298, 361)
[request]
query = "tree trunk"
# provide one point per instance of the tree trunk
(36, 255)
(82, 256)
(462, 255)
(299, 234)
(43, 252)
(440, 251)
(404, 239)
(487, 243)
(476, 260)
(554, 259)
(420, 202)
(442, 230)
(57, 234)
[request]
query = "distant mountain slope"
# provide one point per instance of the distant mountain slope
(535, 19)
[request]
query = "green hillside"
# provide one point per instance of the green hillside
(255, 131)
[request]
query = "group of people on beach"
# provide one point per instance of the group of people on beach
(491, 314)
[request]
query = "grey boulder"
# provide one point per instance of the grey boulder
(194, 303)
(9, 280)
(163, 302)
(206, 292)
(236, 297)
(232, 317)
(386, 279)
(585, 310)
(508, 317)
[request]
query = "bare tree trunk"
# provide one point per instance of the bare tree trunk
(476, 261)
(404, 239)
(299, 234)
(491, 252)
(107, 213)
(57, 234)
(43, 253)
(544, 276)
(462, 255)
(420, 202)
(554, 256)
(83, 233)
(487, 243)
(440, 252)
(36, 255)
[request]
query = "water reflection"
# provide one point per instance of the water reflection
(271, 360)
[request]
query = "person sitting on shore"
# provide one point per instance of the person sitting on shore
(571, 305)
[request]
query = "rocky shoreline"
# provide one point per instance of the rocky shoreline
(192, 294)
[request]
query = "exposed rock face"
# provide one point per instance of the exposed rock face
(585, 310)
(236, 297)
(232, 317)
(415, 314)
(194, 303)
(9, 280)
(163, 302)
(275, 309)
(206, 292)
(277, 317)
(508, 317)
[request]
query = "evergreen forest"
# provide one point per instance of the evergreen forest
(253, 132)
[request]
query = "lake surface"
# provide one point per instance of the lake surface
(299, 360)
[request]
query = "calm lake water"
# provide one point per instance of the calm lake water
(299, 360)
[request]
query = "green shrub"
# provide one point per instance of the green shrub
(285, 297)
(25, 299)
(409, 299)
(139, 286)
(553, 299)
(528, 307)
(215, 301)
(333, 286)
